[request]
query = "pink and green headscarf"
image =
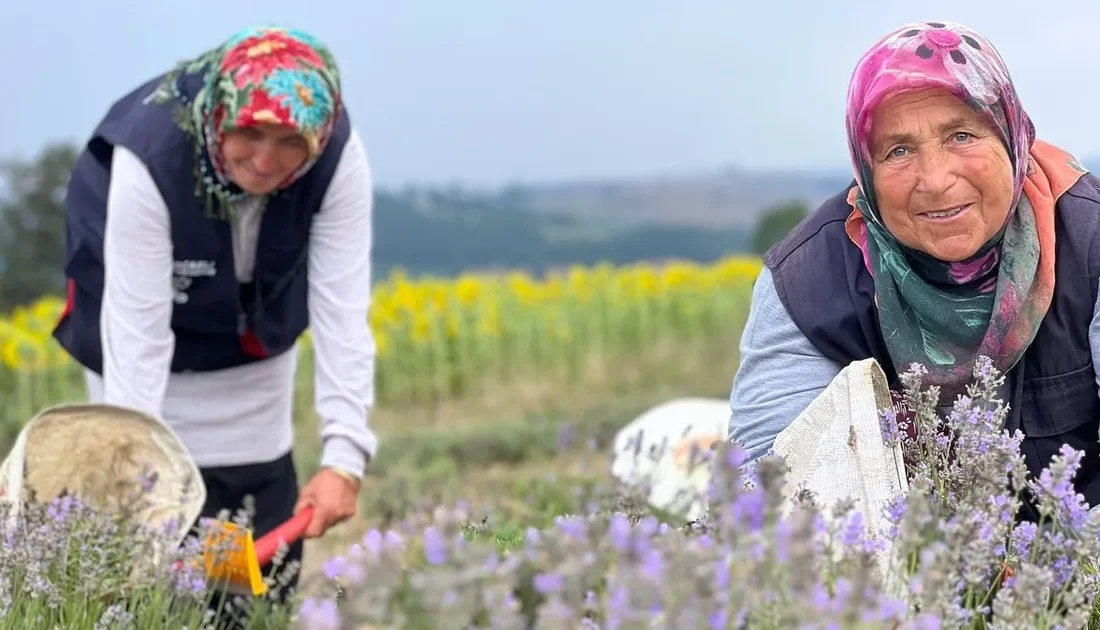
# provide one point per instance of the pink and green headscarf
(264, 75)
(943, 315)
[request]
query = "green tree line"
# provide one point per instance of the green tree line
(439, 232)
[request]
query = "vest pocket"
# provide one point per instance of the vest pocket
(1058, 404)
(86, 270)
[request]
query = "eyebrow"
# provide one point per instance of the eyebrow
(908, 138)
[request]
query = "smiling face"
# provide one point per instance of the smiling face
(260, 157)
(942, 176)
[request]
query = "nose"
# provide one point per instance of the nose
(264, 158)
(934, 172)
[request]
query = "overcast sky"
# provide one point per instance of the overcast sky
(491, 91)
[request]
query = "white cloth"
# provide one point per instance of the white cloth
(663, 450)
(241, 415)
(835, 449)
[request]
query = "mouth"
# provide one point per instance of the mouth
(946, 214)
(258, 174)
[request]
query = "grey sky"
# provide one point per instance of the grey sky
(490, 91)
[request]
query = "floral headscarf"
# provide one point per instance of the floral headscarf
(940, 314)
(265, 75)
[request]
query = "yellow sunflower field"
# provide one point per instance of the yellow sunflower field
(439, 338)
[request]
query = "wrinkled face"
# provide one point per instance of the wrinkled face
(259, 157)
(943, 178)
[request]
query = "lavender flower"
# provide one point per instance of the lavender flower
(546, 583)
(891, 431)
(768, 556)
(68, 563)
(763, 556)
(116, 617)
(1057, 497)
(435, 547)
(319, 614)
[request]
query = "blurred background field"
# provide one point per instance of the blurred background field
(513, 341)
(504, 389)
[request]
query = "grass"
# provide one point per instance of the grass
(527, 422)
(516, 469)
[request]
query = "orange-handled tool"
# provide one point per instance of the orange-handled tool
(289, 532)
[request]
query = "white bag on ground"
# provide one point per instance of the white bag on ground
(102, 454)
(835, 449)
(655, 449)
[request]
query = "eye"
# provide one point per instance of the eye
(293, 142)
(962, 136)
(897, 152)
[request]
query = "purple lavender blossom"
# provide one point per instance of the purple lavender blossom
(619, 532)
(319, 614)
(116, 616)
(618, 607)
(546, 583)
(736, 457)
(393, 542)
(852, 536)
(572, 526)
(1056, 491)
(148, 480)
(984, 367)
(747, 511)
(435, 547)
(888, 422)
(894, 511)
(653, 565)
(372, 543)
(532, 537)
(820, 598)
(1022, 538)
(334, 567)
(344, 569)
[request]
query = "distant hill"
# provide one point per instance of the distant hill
(447, 233)
(731, 198)
(696, 217)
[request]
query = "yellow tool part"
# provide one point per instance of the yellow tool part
(230, 558)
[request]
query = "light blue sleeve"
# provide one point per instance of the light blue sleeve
(780, 372)
(1094, 341)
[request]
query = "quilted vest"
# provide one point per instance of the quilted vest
(821, 280)
(218, 322)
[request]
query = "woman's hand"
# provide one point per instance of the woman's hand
(334, 498)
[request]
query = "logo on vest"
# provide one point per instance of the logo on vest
(183, 273)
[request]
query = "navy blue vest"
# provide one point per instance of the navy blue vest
(218, 322)
(820, 278)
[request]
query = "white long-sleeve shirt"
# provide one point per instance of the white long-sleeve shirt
(243, 414)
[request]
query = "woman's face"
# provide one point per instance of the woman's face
(260, 157)
(942, 177)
